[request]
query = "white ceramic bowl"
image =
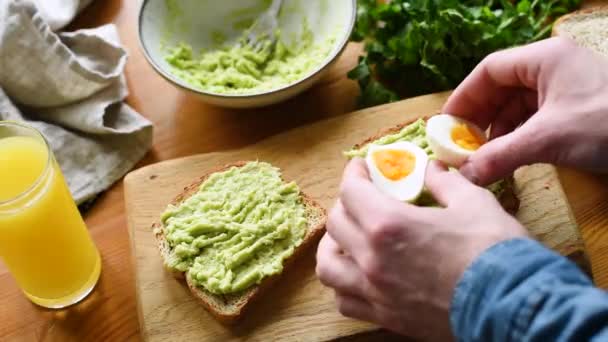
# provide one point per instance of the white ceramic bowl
(196, 22)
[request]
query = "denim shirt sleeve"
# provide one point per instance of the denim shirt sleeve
(519, 290)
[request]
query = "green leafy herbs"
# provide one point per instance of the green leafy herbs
(415, 47)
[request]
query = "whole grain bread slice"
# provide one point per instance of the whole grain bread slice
(588, 28)
(508, 198)
(231, 307)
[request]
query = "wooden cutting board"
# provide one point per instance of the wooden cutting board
(299, 307)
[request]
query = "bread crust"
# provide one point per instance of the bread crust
(555, 30)
(218, 305)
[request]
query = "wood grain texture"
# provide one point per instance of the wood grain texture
(312, 156)
(185, 126)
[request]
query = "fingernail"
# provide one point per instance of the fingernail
(468, 171)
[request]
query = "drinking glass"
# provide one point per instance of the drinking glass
(44, 241)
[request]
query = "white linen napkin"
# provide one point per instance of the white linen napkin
(70, 86)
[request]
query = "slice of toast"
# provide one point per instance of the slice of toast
(507, 198)
(230, 308)
(588, 28)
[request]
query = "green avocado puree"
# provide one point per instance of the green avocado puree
(239, 69)
(237, 229)
(416, 134)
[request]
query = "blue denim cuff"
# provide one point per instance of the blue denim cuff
(499, 293)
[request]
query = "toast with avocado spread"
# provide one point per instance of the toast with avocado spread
(415, 132)
(233, 232)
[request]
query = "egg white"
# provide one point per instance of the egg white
(407, 189)
(439, 136)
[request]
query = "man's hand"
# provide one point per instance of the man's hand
(396, 264)
(555, 90)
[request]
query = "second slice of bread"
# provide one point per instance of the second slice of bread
(588, 27)
(230, 308)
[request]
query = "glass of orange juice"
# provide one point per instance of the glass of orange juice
(43, 239)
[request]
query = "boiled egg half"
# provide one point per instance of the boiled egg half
(398, 169)
(453, 139)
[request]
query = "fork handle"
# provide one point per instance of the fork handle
(275, 7)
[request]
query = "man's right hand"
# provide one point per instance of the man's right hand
(545, 102)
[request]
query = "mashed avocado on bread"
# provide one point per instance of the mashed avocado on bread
(237, 229)
(416, 134)
(239, 69)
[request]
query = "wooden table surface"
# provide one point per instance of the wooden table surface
(185, 126)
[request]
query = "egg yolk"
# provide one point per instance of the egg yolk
(466, 138)
(394, 164)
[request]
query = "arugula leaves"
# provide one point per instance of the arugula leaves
(415, 47)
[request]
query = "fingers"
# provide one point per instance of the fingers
(500, 157)
(487, 88)
(345, 232)
(361, 199)
(502, 126)
(447, 187)
(514, 112)
(337, 270)
(355, 307)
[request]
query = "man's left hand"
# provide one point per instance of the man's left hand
(396, 264)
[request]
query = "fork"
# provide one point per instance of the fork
(264, 28)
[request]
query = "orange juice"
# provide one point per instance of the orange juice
(43, 239)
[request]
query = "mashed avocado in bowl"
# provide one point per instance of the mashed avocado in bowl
(198, 46)
(241, 69)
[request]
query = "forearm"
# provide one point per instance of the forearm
(519, 290)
